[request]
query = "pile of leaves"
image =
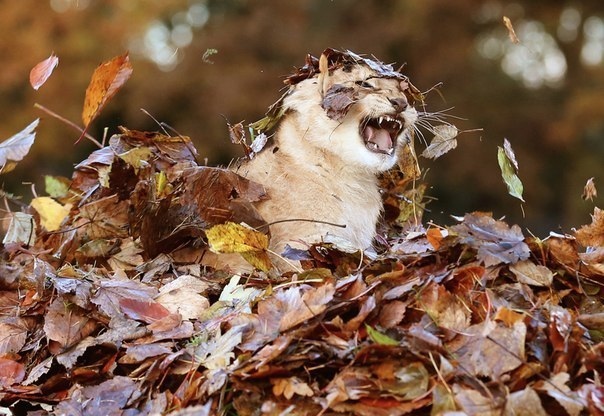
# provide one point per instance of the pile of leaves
(107, 308)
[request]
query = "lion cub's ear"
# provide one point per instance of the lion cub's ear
(324, 81)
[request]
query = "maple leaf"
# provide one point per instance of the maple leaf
(15, 148)
(593, 234)
(42, 71)
(495, 241)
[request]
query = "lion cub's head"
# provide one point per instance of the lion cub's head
(356, 109)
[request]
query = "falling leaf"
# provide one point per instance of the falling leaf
(509, 168)
(51, 212)
(444, 140)
(206, 55)
(511, 32)
(589, 190)
(236, 238)
(42, 71)
(14, 149)
(106, 81)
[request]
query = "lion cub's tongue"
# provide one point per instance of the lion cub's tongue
(377, 139)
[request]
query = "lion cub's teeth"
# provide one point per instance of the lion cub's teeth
(391, 150)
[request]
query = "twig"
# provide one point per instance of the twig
(69, 123)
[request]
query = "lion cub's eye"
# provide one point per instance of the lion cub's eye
(363, 84)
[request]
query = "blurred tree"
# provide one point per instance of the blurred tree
(544, 94)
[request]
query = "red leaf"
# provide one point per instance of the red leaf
(42, 71)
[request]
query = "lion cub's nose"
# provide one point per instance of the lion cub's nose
(400, 104)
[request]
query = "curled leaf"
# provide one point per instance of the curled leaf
(511, 32)
(15, 148)
(589, 190)
(509, 168)
(42, 71)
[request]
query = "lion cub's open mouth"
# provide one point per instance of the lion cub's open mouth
(380, 134)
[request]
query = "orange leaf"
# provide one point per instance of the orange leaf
(42, 71)
(106, 81)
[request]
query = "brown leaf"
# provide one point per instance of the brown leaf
(338, 100)
(530, 273)
(511, 32)
(145, 310)
(589, 190)
(13, 335)
(491, 349)
(11, 372)
(106, 81)
(593, 234)
(67, 323)
(42, 71)
(287, 387)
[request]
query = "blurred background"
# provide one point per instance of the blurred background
(200, 63)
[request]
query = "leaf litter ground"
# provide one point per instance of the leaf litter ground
(106, 308)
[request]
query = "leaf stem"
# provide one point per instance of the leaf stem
(69, 123)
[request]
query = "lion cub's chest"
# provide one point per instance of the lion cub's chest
(308, 196)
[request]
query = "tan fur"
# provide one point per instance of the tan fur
(320, 169)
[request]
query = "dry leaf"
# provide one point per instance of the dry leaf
(51, 212)
(444, 140)
(509, 168)
(106, 81)
(236, 238)
(593, 234)
(42, 71)
(14, 149)
(21, 230)
(287, 387)
(532, 274)
(511, 32)
(589, 190)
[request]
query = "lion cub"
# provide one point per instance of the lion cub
(342, 122)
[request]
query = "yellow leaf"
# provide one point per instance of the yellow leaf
(236, 238)
(51, 212)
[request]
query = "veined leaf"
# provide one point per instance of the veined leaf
(106, 81)
(236, 238)
(15, 148)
